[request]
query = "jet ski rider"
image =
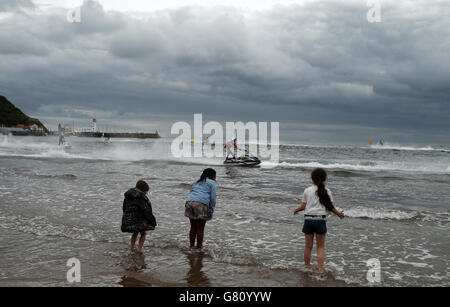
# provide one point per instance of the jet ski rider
(231, 145)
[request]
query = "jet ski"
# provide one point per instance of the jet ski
(243, 161)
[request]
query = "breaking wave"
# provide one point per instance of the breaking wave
(393, 166)
(372, 213)
(407, 148)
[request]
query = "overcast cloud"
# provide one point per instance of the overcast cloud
(319, 68)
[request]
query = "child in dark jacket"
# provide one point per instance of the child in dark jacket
(137, 214)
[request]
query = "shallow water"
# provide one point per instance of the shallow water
(61, 203)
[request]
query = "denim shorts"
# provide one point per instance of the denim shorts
(314, 226)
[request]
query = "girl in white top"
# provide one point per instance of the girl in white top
(317, 202)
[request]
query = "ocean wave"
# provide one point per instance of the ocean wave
(290, 145)
(42, 226)
(386, 146)
(183, 185)
(10, 142)
(350, 173)
(53, 153)
(62, 176)
(360, 167)
(119, 156)
(438, 218)
(373, 213)
(393, 147)
(407, 148)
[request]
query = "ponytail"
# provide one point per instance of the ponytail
(207, 173)
(319, 176)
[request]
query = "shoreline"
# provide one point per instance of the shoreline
(112, 264)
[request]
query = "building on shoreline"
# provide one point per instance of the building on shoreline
(22, 130)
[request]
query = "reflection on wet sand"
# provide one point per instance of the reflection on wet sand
(196, 277)
(134, 261)
(138, 274)
(129, 281)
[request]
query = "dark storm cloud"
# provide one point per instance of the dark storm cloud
(318, 63)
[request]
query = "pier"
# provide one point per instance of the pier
(136, 135)
(94, 132)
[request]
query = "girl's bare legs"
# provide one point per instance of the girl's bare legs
(133, 240)
(141, 241)
(200, 231)
(193, 232)
(309, 241)
(320, 242)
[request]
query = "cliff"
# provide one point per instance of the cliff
(11, 116)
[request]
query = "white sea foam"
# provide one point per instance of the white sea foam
(10, 142)
(41, 226)
(375, 213)
(386, 146)
(414, 264)
(53, 153)
(400, 147)
(406, 148)
(392, 166)
(15, 147)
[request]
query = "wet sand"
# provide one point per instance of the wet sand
(112, 264)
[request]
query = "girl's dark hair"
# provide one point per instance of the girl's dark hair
(142, 185)
(207, 173)
(319, 176)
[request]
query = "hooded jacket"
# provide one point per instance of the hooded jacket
(137, 212)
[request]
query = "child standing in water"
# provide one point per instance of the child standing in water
(200, 205)
(137, 214)
(317, 201)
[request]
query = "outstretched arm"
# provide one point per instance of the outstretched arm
(301, 208)
(338, 213)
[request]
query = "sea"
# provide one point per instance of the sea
(59, 203)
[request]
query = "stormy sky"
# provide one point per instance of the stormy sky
(317, 67)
